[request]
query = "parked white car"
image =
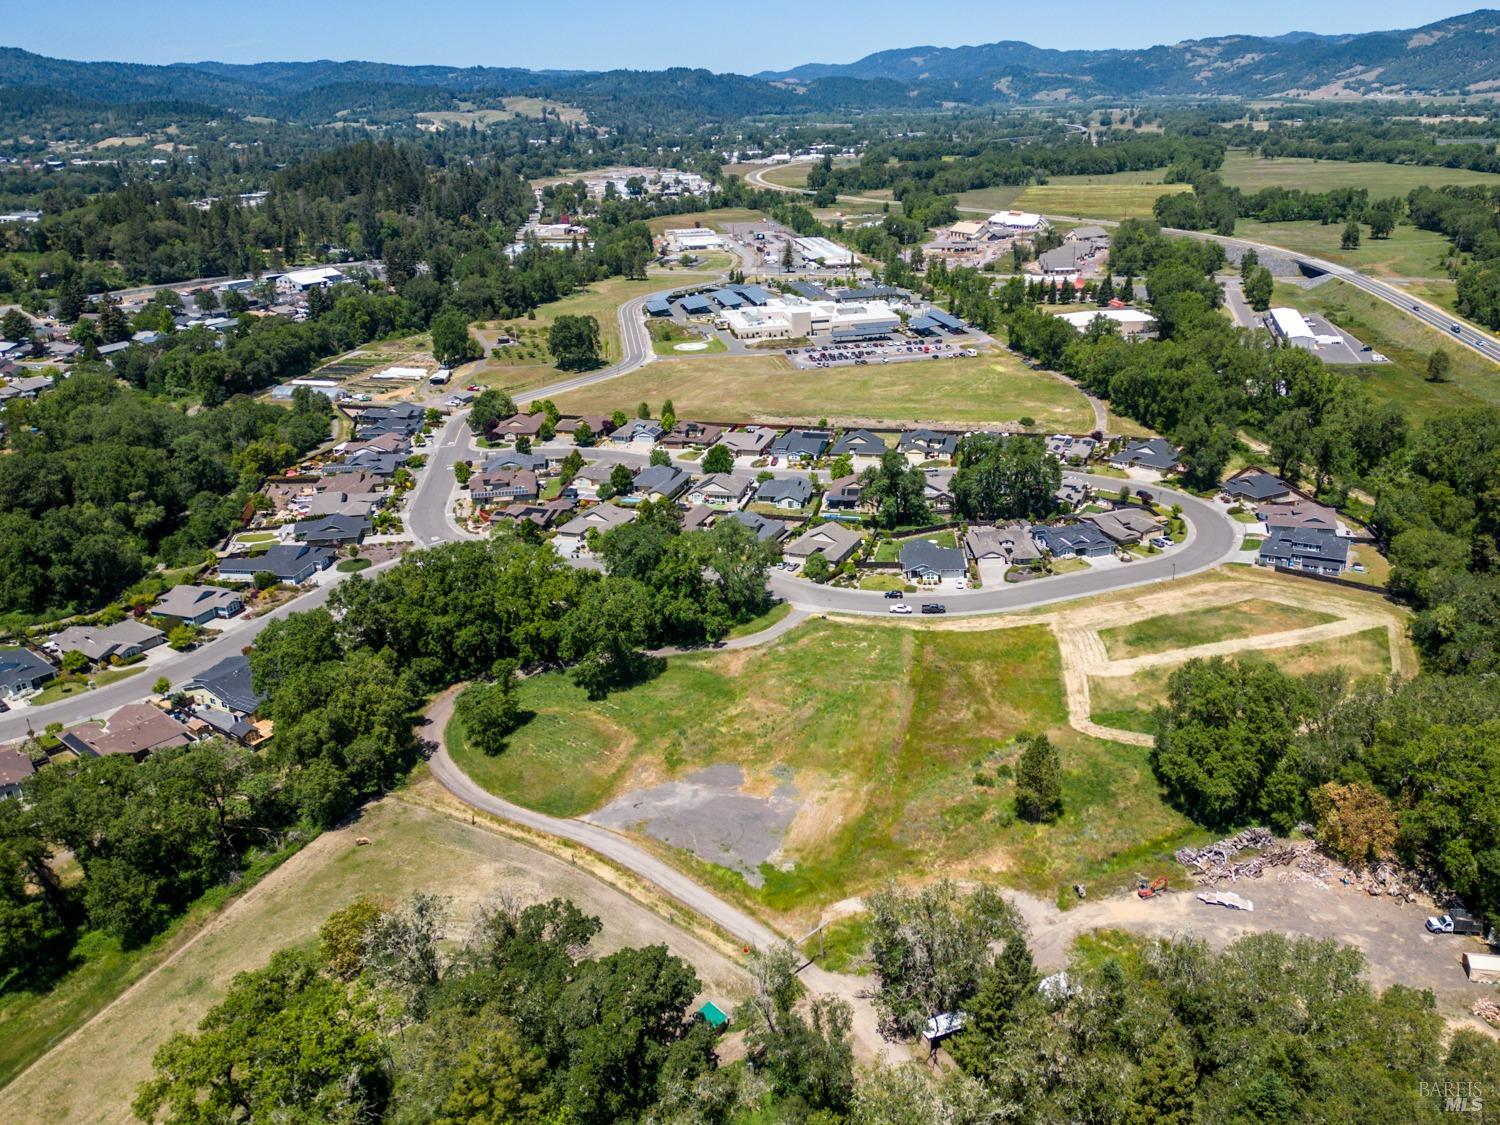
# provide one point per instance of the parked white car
(900, 607)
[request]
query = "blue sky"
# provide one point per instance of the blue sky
(646, 34)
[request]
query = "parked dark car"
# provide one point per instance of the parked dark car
(893, 594)
(934, 607)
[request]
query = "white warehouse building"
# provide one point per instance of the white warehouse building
(1017, 221)
(694, 238)
(825, 252)
(784, 318)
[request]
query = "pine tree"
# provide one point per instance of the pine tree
(1161, 1092)
(1010, 978)
(1039, 780)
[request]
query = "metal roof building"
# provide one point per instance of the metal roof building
(696, 304)
(727, 298)
(658, 306)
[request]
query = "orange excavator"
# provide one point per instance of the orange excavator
(1153, 888)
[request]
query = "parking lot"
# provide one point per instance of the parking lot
(877, 351)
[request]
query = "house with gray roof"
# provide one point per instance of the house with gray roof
(1074, 540)
(572, 535)
(844, 495)
(1153, 453)
(1314, 549)
(332, 531)
(643, 430)
(101, 643)
(722, 489)
(1125, 525)
(923, 560)
(863, 447)
(833, 541)
(1257, 486)
(1010, 543)
(753, 441)
(198, 605)
(226, 686)
(23, 672)
(791, 493)
(294, 563)
(801, 445)
(661, 482)
(766, 530)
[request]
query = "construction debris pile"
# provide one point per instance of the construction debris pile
(1220, 862)
(1488, 1011)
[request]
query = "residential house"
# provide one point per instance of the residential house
(1314, 549)
(1156, 454)
(691, 435)
(1297, 512)
(401, 418)
(24, 388)
(380, 443)
(863, 448)
(766, 530)
(699, 517)
(543, 513)
(376, 464)
(661, 482)
(531, 462)
(226, 686)
(1069, 449)
(336, 504)
(1010, 543)
(354, 482)
(937, 490)
(135, 730)
(833, 541)
(844, 495)
(572, 535)
(923, 560)
(294, 563)
(801, 445)
(790, 493)
(1074, 540)
(600, 425)
(516, 426)
(198, 605)
(1256, 486)
(23, 672)
(644, 431)
(1073, 493)
(585, 483)
(724, 490)
(210, 722)
(751, 442)
(1126, 525)
(102, 643)
(15, 770)
(332, 531)
(503, 484)
(927, 445)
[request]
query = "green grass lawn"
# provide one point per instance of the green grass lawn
(350, 565)
(996, 387)
(761, 623)
(1408, 252)
(868, 581)
(900, 759)
(1252, 618)
(1377, 572)
(256, 536)
(1406, 342)
(1251, 173)
(1126, 702)
(1094, 200)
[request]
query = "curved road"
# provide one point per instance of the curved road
(1416, 307)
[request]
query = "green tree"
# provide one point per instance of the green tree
(894, 489)
(490, 712)
(462, 471)
(1161, 1089)
(583, 435)
(817, 568)
(1006, 478)
(343, 935)
(490, 407)
(451, 342)
(718, 459)
(1259, 287)
(1007, 984)
(73, 661)
(660, 457)
(574, 342)
(1038, 780)
(1349, 240)
(1439, 364)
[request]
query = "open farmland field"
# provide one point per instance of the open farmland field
(996, 387)
(1251, 173)
(91, 1076)
(1094, 200)
(718, 220)
(1408, 252)
(837, 780)
(1406, 342)
(1252, 618)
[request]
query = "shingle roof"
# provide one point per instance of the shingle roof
(785, 488)
(1257, 486)
(229, 681)
(922, 556)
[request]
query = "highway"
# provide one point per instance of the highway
(1459, 331)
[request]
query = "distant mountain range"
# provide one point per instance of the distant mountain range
(1458, 55)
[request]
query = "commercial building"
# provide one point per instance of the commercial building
(300, 281)
(1131, 322)
(823, 252)
(694, 238)
(784, 318)
(1015, 222)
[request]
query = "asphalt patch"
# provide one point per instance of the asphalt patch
(707, 814)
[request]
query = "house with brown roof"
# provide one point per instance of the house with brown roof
(833, 541)
(15, 770)
(503, 484)
(691, 435)
(517, 425)
(753, 441)
(1126, 525)
(135, 730)
(101, 643)
(844, 495)
(1297, 512)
